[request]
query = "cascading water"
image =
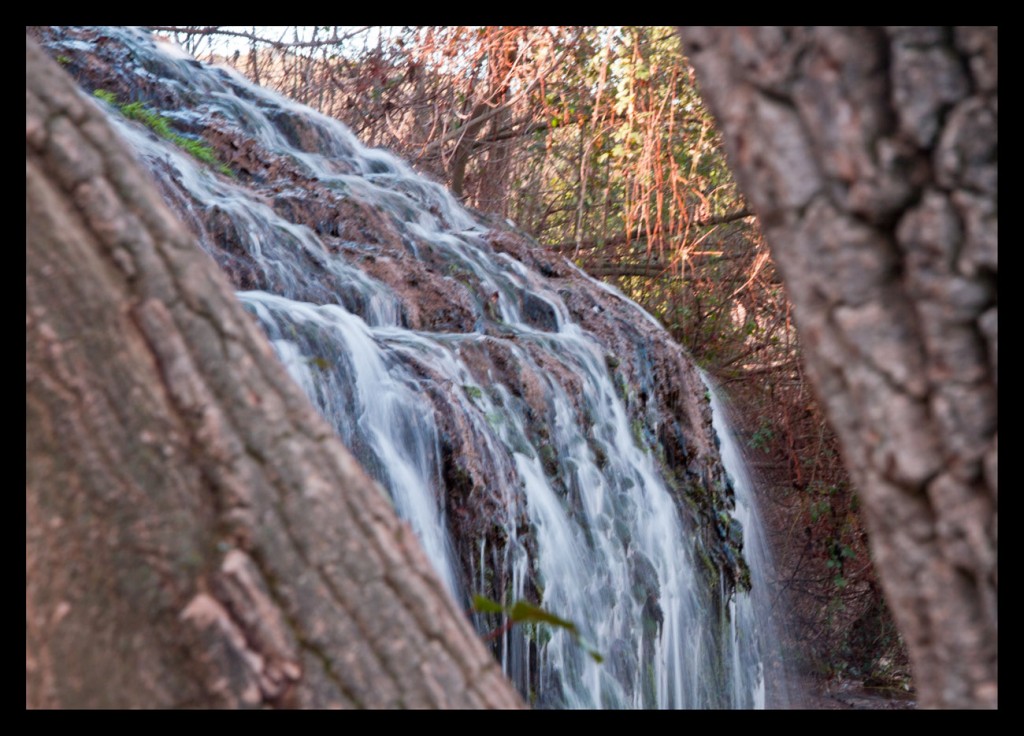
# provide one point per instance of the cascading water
(756, 614)
(539, 432)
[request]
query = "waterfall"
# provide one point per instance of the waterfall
(541, 433)
(757, 614)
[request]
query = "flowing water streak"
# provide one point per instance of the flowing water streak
(609, 548)
(755, 621)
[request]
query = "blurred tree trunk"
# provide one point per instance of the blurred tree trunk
(869, 156)
(195, 534)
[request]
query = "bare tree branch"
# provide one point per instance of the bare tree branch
(221, 31)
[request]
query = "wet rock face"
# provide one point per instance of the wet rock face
(539, 313)
(485, 296)
(431, 301)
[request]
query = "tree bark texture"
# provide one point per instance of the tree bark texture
(196, 535)
(869, 155)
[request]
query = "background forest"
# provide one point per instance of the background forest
(594, 141)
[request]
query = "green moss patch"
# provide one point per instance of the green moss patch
(162, 127)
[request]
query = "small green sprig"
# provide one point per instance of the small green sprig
(162, 127)
(524, 612)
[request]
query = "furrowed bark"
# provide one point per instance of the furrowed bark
(869, 156)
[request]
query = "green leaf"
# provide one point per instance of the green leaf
(528, 613)
(524, 611)
(594, 654)
(483, 604)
